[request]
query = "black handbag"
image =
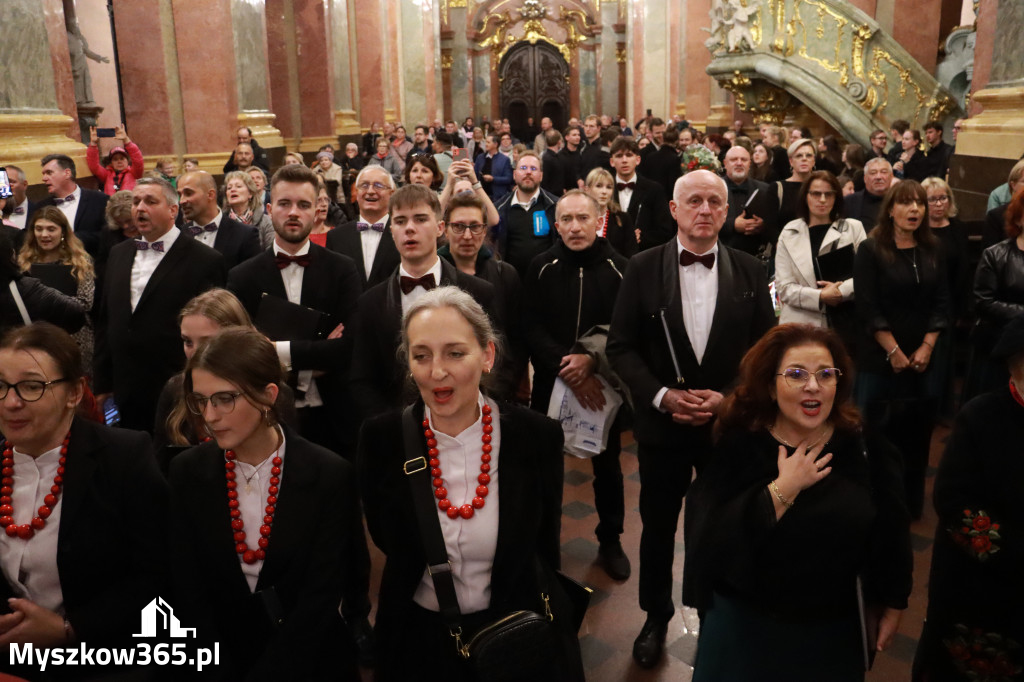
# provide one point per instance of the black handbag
(521, 645)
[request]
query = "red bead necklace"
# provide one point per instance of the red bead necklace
(440, 492)
(26, 530)
(251, 556)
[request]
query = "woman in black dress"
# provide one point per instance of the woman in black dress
(796, 508)
(801, 159)
(266, 524)
(903, 305)
(613, 223)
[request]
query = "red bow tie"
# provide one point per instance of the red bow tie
(687, 258)
(283, 260)
(410, 283)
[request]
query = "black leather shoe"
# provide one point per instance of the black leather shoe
(613, 560)
(650, 642)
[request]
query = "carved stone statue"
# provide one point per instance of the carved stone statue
(80, 52)
(730, 25)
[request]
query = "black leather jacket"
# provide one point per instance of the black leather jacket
(43, 305)
(998, 290)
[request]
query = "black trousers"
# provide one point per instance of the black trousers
(609, 498)
(665, 474)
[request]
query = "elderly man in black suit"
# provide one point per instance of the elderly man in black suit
(365, 240)
(685, 315)
(754, 228)
(864, 205)
(205, 222)
(84, 208)
(416, 225)
(641, 198)
(147, 282)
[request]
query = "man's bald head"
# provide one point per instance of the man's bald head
(700, 204)
(197, 194)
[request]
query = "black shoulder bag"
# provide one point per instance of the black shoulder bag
(521, 645)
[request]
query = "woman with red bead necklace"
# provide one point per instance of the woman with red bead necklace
(496, 475)
(81, 505)
(265, 523)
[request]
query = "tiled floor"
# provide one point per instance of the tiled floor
(614, 618)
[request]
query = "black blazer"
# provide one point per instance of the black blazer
(593, 157)
(344, 239)
(111, 545)
(765, 205)
(529, 481)
(90, 219)
(637, 347)
(662, 166)
(648, 209)
(555, 173)
(377, 377)
(317, 532)
(137, 352)
(236, 241)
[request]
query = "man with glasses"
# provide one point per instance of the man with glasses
(362, 239)
(526, 216)
(878, 140)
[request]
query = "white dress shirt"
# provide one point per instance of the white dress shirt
(528, 204)
(20, 220)
(625, 195)
(30, 566)
(414, 295)
(146, 262)
(470, 542)
(698, 288)
(371, 242)
(291, 276)
(253, 482)
(70, 209)
(209, 238)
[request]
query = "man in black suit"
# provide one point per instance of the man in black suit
(864, 205)
(939, 152)
(657, 128)
(366, 239)
(592, 155)
(85, 209)
(685, 315)
(147, 282)
(416, 225)
(554, 171)
(21, 207)
(755, 229)
(662, 164)
(205, 222)
(641, 198)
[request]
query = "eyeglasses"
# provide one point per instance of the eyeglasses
(529, 169)
(821, 195)
(29, 390)
(223, 402)
(938, 200)
(460, 228)
(799, 377)
(365, 186)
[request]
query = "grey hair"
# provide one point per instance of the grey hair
(459, 301)
(169, 192)
(877, 161)
(367, 169)
(254, 198)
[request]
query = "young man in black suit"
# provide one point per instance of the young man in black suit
(85, 209)
(366, 239)
(205, 222)
(641, 198)
(416, 225)
(554, 170)
(592, 155)
(686, 314)
(147, 282)
(662, 164)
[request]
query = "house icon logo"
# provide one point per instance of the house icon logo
(158, 618)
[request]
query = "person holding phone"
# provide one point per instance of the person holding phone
(462, 178)
(125, 164)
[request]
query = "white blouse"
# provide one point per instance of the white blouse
(470, 542)
(253, 482)
(30, 566)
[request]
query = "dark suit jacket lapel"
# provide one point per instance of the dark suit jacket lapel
(269, 276)
(724, 302)
(449, 276)
(78, 474)
(83, 208)
(294, 506)
(513, 493)
(312, 278)
(167, 263)
(119, 278)
(387, 253)
(210, 497)
(352, 244)
(672, 297)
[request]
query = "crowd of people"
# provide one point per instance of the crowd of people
(386, 335)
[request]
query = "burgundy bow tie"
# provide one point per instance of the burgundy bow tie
(196, 230)
(687, 258)
(619, 186)
(376, 227)
(283, 260)
(69, 199)
(143, 245)
(410, 283)
(19, 211)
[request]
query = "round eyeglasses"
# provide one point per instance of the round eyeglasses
(223, 402)
(799, 377)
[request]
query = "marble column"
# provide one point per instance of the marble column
(420, 66)
(586, 57)
(652, 76)
(33, 96)
(607, 62)
(392, 38)
(698, 86)
(283, 67)
(249, 35)
(371, 63)
(461, 73)
(346, 73)
(315, 74)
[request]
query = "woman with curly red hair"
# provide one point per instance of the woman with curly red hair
(796, 506)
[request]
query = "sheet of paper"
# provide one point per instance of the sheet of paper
(586, 431)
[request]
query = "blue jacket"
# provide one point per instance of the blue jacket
(501, 170)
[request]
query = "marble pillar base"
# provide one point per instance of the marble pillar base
(262, 125)
(681, 109)
(390, 114)
(346, 123)
(313, 144)
(995, 132)
(720, 118)
(25, 139)
(213, 162)
(291, 143)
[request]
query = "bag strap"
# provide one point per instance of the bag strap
(16, 295)
(417, 471)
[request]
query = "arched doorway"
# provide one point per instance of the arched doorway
(534, 84)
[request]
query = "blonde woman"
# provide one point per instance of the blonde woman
(613, 223)
(242, 203)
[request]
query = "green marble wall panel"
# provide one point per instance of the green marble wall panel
(1008, 52)
(247, 17)
(344, 65)
(26, 69)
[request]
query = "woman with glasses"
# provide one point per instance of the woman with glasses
(801, 160)
(903, 307)
(814, 260)
(265, 524)
(82, 508)
(795, 509)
